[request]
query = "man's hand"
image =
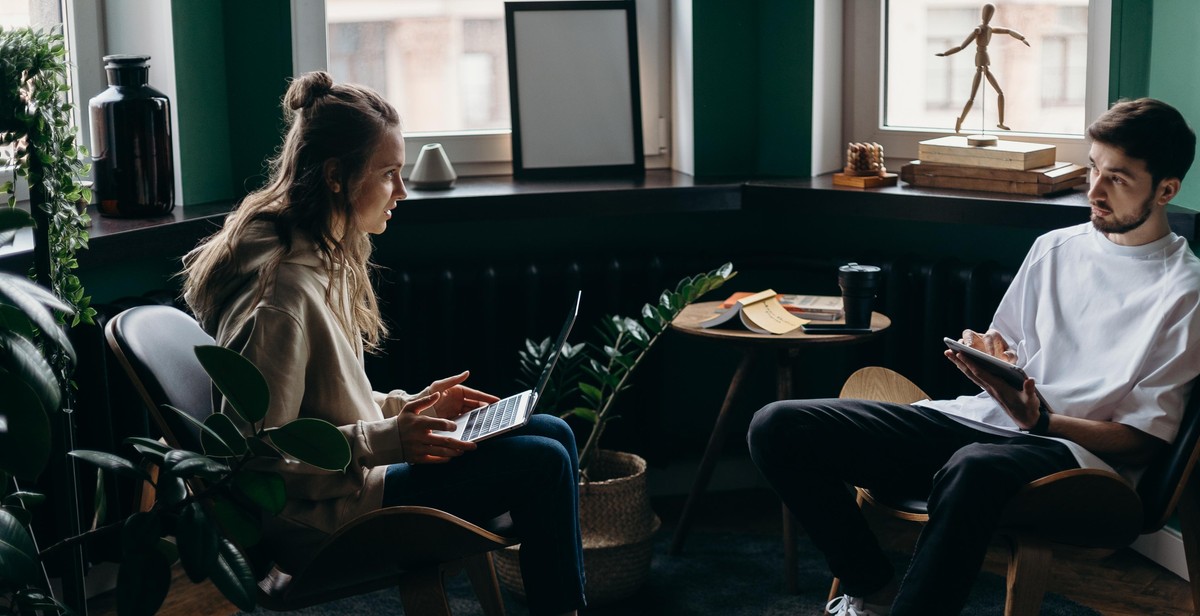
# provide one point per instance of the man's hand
(1022, 405)
(421, 445)
(456, 398)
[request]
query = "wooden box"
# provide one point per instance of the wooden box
(954, 150)
(1040, 181)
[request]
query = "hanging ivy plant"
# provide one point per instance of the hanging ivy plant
(37, 140)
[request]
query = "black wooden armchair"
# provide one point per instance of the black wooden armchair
(1085, 508)
(411, 548)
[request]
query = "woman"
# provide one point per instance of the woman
(285, 282)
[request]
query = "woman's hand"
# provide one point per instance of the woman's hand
(456, 398)
(420, 444)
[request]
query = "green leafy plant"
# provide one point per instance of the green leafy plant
(31, 390)
(219, 518)
(599, 371)
(38, 141)
(213, 523)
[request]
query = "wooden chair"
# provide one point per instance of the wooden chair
(1084, 508)
(412, 548)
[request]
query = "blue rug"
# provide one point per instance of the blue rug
(726, 574)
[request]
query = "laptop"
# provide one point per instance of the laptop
(514, 411)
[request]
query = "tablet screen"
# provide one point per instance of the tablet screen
(1010, 373)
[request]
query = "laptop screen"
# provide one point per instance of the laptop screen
(556, 350)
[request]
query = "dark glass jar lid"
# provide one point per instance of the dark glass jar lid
(126, 60)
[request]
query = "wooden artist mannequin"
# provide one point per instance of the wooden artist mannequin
(982, 35)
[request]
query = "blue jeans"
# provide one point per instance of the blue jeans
(809, 449)
(533, 474)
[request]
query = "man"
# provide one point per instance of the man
(1101, 316)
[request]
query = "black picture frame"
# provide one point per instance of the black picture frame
(573, 89)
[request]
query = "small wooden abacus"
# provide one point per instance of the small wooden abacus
(864, 167)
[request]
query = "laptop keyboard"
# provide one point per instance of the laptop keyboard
(495, 416)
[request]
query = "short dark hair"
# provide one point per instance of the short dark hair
(1149, 130)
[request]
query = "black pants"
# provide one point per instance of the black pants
(810, 449)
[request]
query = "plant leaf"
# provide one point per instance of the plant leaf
(238, 379)
(112, 462)
(140, 531)
(587, 414)
(262, 449)
(204, 429)
(24, 500)
(22, 359)
(18, 556)
(313, 441)
(231, 443)
(265, 489)
(36, 303)
(183, 463)
(237, 522)
(171, 489)
(12, 218)
(25, 439)
(196, 539)
(233, 577)
(142, 583)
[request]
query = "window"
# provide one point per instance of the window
(444, 64)
(19, 14)
(900, 92)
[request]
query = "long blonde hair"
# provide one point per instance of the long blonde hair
(343, 123)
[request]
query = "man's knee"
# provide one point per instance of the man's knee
(977, 473)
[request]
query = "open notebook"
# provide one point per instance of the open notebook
(514, 411)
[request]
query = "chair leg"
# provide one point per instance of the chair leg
(1028, 567)
(835, 589)
(1189, 522)
(482, 572)
(423, 592)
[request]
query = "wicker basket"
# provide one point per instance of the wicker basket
(617, 525)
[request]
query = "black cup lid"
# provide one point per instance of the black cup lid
(855, 267)
(124, 60)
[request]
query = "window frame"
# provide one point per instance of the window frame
(863, 55)
(489, 152)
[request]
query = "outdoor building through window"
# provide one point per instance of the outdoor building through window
(1044, 84)
(443, 63)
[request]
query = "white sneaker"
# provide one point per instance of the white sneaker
(846, 605)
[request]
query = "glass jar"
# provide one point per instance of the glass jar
(131, 142)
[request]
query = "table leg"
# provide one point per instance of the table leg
(715, 441)
(783, 391)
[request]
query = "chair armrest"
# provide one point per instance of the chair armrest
(1083, 507)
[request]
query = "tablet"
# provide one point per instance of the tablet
(1009, 373)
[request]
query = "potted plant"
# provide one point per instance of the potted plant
(37, 139)
(212, 525)
(615, 517)
(31, 338)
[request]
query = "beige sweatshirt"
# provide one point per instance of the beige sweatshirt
(313, 369)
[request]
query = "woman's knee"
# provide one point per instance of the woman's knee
(551, 427)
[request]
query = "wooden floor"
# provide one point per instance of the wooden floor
(1121, 584)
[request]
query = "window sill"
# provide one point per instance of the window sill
(496, 198)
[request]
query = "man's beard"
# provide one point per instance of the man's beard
(1125, 225)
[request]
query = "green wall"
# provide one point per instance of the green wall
(258, 64)
(232, 62)
(199, 96)
(752, 95)
(1174, 75)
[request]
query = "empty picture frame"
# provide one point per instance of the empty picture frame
(573, 87)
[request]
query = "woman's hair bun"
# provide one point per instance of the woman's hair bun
(306, 89)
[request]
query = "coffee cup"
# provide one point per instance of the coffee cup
(859, 284)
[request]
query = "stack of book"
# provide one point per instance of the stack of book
(809, 307)
(1008, 167)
